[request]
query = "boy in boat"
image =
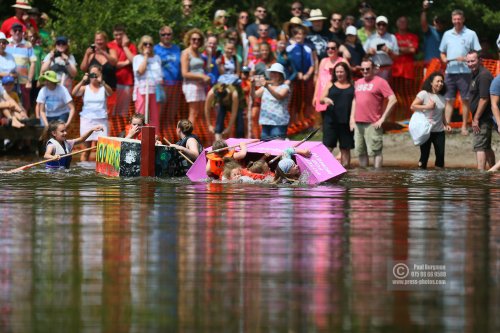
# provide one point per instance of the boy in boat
(57, 144)
(215, 163)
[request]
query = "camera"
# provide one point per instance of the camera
(57, 54)
(92, 76)
(92, 46)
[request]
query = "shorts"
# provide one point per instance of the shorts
(86, 124)
(194, 91)
(335, 132)
(482, 140)
(273, 131)
(457, 82)
(368, 139)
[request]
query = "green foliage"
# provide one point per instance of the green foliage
(80, 19)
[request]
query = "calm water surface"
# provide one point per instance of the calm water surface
(84, 253)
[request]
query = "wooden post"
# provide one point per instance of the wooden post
(148, 151)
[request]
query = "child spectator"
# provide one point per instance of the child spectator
(55, 102)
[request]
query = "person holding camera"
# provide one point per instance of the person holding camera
(61, 61)
(99, 54)
(95, 92)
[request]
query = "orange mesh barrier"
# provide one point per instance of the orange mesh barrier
(302, 113)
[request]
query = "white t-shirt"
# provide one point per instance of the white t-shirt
(153, 75)
(56, 101)
(435, 115)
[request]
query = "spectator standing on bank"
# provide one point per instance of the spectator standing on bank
(98, 53)
(125, 52)
(25, 59)
(252, 30)
(455, 45)
(495, 104)
(336, 27)
(432, 34)
(482, 122)
(368, 27)
(355, 48)
(170, 55)
(61, 61)
(21, 17)
(241, 24)
(368, 116)
(383, 48)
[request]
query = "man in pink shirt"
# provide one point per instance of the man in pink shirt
(21, 17)
(124, 73)
(368, 114)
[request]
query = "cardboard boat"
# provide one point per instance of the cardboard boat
(120, 157)
(320, 167)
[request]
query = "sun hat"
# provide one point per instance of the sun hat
(316, 15)
(23, 4)
(2, 36)
(286, 164)
(351, 30)
(278, 68)
(296, 21)
(49, 76)
(8, 79)
(381, 19)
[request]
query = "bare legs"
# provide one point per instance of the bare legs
(485, 157)
(195, 108)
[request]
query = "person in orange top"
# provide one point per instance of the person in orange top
(258, 170)
(133, 129)
(408, 46)
(215, 163)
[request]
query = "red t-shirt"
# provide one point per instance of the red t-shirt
(124, 75)
(403, 65)
(370, 97)
(7, 25)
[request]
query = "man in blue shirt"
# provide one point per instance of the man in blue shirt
(432, 34)
(170, 55)
(495, 105)
(455, 45)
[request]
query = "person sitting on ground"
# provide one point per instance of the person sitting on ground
(287, 170)
(215, 163)
(57, 145)
(17, 117)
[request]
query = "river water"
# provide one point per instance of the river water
(85, 253)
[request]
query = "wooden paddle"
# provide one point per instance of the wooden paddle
(49, 160)
(310, 135)
(185, 157)
(249, 142)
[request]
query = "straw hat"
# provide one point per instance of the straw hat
(296, 21)
(2, 36)
(316, 15)
(23, 4)
(49, 76)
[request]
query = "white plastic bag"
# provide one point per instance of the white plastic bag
(420, 128)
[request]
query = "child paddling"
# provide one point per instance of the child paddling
(215, 163)
(57, 144)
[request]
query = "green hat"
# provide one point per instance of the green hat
(49, 76)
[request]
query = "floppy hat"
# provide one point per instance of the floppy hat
(278, 68)
(8, 79)
(382, 19)
(296, 21)
(2, 36)
(49, 76)
(351, 30)
(316, 15)
(23, 4)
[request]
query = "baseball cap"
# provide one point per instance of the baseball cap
(382, 19)
(8, 79)
(351, 30)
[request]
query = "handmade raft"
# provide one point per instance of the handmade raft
(120, 157)
(320, 167)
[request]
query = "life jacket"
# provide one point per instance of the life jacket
(217, 162)
(138, 136)
(256, 176)
(183, 165)
(63, 162)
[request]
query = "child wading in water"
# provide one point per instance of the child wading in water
(215, 163)
(57, 144)
(287, 170)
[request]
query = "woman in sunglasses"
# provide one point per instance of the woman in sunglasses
(61, 61)
(148, 76)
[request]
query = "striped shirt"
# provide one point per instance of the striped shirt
(23, 55)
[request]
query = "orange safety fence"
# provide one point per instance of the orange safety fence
(302, 113)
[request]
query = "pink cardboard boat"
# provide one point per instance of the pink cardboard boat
(320, 167)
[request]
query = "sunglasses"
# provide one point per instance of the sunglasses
(243, 17)
(195, 39)
(147, 44)
(381, 24)
(261, 11)
(166, 34)
(336, 20)
(263, 30)
(17, 30)
(58, 43)
(332, 48)
(369, 18)
(296, 8)
(4, 42)
(365, 69)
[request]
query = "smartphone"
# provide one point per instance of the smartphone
(380, 46)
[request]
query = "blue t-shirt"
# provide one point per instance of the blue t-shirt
(495, 89)
(170, 63)
(301, 57)
(432, 39)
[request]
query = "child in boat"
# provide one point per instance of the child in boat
(258, 170)
(232, 169)
(287, 170)
(57, 144)
(215, 163)
(133, 129)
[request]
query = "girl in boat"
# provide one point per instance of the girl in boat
(57, 144)
(188, 144)
(287, 170)
(215, 163)
(258, 170)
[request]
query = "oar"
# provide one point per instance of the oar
(49, 160)
(310, 135)
(185, 157)
(248, 143)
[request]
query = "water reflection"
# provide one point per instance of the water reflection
(82, 253)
